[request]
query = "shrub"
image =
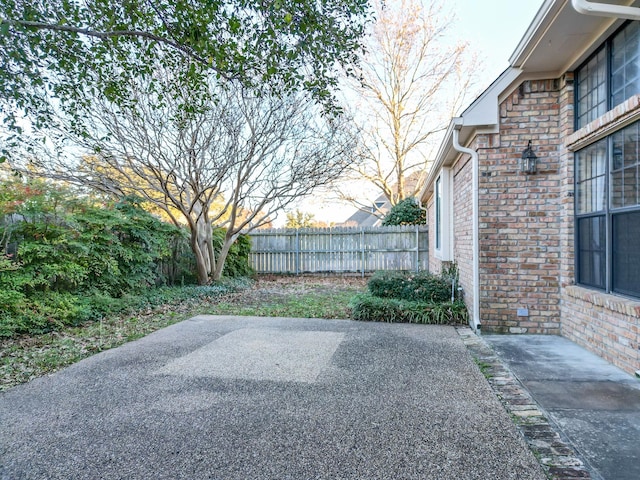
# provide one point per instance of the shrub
(421, 286)
(237, 262)
(387, 284)
(367, 307)
(406, 212)
(66, 258)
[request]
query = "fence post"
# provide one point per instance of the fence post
(417, 249)
(362, 246)
(297, 257)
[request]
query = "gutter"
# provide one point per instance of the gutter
(474, 322)
(586, 7)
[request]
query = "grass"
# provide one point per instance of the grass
(26, 357)
(309, 305)
(485, 368)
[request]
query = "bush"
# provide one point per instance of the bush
(49, 311)
(237, 262)
(377, 309)
(406, 212)
(420, 287)
(66, 258)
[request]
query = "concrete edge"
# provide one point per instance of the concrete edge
(557, 458)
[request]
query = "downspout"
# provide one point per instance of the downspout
(586, 7)
(475, 317)
(426, 221)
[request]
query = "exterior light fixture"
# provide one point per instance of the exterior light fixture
(528, 160)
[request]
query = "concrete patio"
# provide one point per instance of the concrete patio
(267, 398)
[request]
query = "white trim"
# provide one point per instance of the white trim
(445, 252)
(605, 10)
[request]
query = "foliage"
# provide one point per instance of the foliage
(237, 263)
(128, 318)
(421, 286)
(72, 51)
(299, 219)
(368, 307)
(411, 298)
(405, 212)
(65, 259)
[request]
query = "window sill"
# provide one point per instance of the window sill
(624, 114)
(609, 301)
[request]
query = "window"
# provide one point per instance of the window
(608, 213)
(625, 63)
(610, 76)
(591, 90)
(443, 193)
(438, 194)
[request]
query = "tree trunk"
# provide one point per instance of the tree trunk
(222, 256)
(202, 263)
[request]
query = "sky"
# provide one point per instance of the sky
(493, 28)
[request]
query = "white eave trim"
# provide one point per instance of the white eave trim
(586, 7)
(535, 31)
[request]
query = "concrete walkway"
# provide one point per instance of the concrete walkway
(253, 398)
(594, 405)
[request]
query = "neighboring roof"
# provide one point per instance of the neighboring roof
(368, 218)
(362, 219)
(558, 40)
(381, 205)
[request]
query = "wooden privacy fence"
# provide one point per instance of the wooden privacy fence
(339, 250)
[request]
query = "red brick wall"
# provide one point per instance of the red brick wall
(607, 325)
(463, 225)
(520, 215)
(462, 228)
(527, 229)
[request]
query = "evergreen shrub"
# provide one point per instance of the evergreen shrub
(408, 297)
(420, 286)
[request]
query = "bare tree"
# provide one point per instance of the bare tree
(411, 82)
(229, 159)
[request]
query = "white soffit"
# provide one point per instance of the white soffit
(560, 38)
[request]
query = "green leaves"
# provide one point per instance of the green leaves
(75, 49)
(406, 212)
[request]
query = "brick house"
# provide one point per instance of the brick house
(557, 250)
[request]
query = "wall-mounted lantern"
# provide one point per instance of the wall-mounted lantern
(528, 161)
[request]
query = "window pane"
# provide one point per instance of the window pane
(591, 251)
(625, 184)
(626, 253)
(590, 181)
(438, 195)
(591, 84)
(625, 62)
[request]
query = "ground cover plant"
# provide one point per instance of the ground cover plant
(410, 297)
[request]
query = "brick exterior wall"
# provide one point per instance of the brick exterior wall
(463, 225)
(462, 228)
(526, 225)
(605, 324)
(520, 215)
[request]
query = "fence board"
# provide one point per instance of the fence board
(339, 250)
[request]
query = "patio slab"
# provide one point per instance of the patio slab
(267, 398)
(594, 405)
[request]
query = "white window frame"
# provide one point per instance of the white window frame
(444, 214)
